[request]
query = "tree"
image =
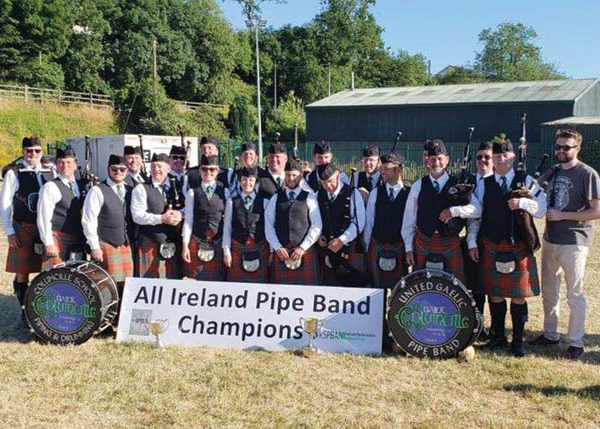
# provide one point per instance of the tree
(509, 54)
(240, 121)
(460, 75)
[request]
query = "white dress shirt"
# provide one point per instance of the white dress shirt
(374, 182)
(188, 222)
(535, 206)
(471, 234)
(409, 222)
(9, 189)
(91, 210)
(136, 176)
(314, 231)
(227, 222)
(370, 212)
(350, 233)
(139, 205)
(50, 195)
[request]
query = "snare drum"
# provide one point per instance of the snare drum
(71, 302)
(432, 314)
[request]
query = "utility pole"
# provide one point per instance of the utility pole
(155, 71)
(328, 79)
(275, 84)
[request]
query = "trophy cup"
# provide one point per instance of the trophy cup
(311, 326)
(157, 328)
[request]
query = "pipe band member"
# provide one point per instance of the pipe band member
(248, 159)
(59, 213)
(104, 221)
(341, 228)
(384, 219)
(20, 191)
(507, 266)
(245, 247)
(159, 240)
(322, 155)
(573, 205)
(177, 157)
(369, 178)
(134, 160)
(209, 147)
(292, 227)
(203, 227)
(271, 179)
(430, 224)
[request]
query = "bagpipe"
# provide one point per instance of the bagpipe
(88, 180)
(460, 194)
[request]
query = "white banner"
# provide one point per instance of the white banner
(251, 315)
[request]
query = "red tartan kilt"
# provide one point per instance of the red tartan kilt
(449, 247)
(236, 272)
(23, 259)
(63, 243)
(357, 260)
(152, 265)
(209, 271)
(523, 282)
(386, 279)
(117, 261)
(307, 274)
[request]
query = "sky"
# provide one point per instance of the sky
(446, 32)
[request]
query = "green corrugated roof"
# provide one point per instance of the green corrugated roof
(505, 92)
(576, 120)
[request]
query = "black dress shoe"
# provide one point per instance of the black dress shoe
(496, 343)
(517, 350)
(541, 340)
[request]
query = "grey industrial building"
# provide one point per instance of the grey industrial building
(374, 115)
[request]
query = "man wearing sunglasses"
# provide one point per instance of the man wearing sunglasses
(322, 155)
(59, 213)
(104, 219)
(484, 169)
(18, 204)
(573, 204)
(177, 157)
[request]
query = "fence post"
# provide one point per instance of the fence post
(91, 99)
(26, 94)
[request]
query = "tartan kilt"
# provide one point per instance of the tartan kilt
(236, 272)
(386, 279)
(448, 247)
(357, 260)
(117, 261)
(307, 274)
(471, 269)
(152, 265)
(523, 282)
(23, 259)
(63, 242)
(209, 271)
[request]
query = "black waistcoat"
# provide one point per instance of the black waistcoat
(266, 184)
(28, 184)
(67, 212)
(387, 225)
(208, 214)
(292, 220)
(363, 182)
(335, 214)
(112, 226)
(313, 180)
(496, 216)
(157, 204)
(248, 223)
(431, 204)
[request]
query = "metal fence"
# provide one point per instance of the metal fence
(45, 95)
(349, 155)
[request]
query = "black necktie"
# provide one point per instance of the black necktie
(292, 196)
(436, 186)
(504, 185)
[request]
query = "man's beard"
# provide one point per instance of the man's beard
(564, 158)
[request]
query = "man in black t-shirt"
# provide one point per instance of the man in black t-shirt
(573, 204)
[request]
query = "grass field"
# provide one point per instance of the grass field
(105, 384)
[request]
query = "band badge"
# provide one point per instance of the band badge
(206, 251)
(387, 259)
(435, 261)
(167, 250)
(251, 261)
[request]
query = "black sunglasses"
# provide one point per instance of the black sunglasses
(480, 157)
(34, 150)
(564, 148)
(178, 157)
(118, 169)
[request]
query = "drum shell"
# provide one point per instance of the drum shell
(71, 302)
(432, 314)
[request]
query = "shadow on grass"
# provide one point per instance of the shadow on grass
(589, 392)
(12, 329)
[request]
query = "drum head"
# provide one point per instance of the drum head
(63, 306)
(431, 314)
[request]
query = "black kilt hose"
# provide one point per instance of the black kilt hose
(23, 259)
(307, 274)
(153, 265)
(237, 273)
(523, 282)
(213, 270)
(386, 279)
(355, 259)
(448, 247)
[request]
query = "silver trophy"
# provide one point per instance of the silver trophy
(157, 328)
(311, 326)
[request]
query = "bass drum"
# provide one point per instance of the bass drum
(431, 314)
(71, 302)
